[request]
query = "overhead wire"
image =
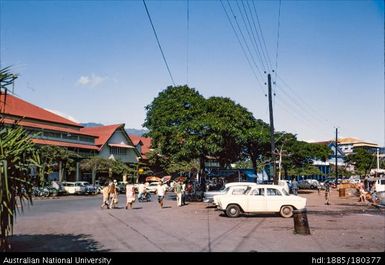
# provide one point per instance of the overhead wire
(278, 31)
(242, 48)
(157, 40)
(284, 104)
(249, 29)
(267, 57)
(244, 39)
(303, 102)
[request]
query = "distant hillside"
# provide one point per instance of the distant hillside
(91, 124)
(136, 131)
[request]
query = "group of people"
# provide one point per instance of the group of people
(111, 194)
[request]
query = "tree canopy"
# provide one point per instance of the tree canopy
(186, 127)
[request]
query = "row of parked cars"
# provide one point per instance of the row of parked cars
(78, 187)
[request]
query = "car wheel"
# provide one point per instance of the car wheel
(286, 211)
(233, 211)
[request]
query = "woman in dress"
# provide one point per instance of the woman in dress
(130, 194)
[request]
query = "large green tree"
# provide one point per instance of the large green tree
(362, 160)
(172, 122)
(185, 127)
(256, 143)
(299, 156)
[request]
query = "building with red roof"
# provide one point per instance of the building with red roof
(47, 128)
(142, 144)
(114, 143)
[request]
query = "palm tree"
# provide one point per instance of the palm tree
(17, 156)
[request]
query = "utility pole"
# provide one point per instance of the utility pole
(378, 159)
(336, 156)
(272, 131)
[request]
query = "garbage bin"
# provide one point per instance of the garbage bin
(341, 192)
(301, 224)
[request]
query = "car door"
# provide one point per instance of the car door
(256, 200)
(275, 199)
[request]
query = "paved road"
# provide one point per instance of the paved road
(72, 224)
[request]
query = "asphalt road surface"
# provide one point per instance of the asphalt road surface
(77, 224)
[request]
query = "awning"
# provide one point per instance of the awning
(153, 178)
(122, 146)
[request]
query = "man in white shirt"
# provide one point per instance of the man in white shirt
(161, 191)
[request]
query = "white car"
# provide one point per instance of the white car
(74, 187)
(152, 187)
(88, 188)
(260, 199)
(208, 196)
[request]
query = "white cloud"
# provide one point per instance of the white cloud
(63, 115)
(91, 80)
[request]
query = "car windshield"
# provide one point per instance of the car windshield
(285, 192)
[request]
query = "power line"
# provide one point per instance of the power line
(263, 39)
(254, 43)
(157, 40)
(259, 42)
(276, 53)
(242, 47)
(300, 101)
(243, 38)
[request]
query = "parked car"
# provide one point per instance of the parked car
(73, 187)
(331, 182)
(308, 184)
(121, 186)
(88, 188)
(260, 198)
(208, 196)
(152, 187)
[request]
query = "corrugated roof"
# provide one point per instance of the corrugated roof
(64, 144)
(146, 141)
(104, 132)
(18, 107)
(47, 127)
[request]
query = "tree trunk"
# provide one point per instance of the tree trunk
(60, 171)
(93, 175)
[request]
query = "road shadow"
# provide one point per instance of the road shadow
(166, 207)
(305, 191)
(252, 215)
(136, 208)
(349, 211)
(54, 243)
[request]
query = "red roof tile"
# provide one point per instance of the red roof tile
(146, 141)
(47, 127)
(104, 132)
(64, 144)
(18, 107)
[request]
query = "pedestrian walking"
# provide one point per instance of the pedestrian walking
(178, 191)
(106, 197)
(161, 192)
(327, 193)
(294, 186)
(183, 193)
(362, 194)
(113, 195)
(130, 194)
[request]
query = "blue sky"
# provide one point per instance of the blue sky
(98, 61)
